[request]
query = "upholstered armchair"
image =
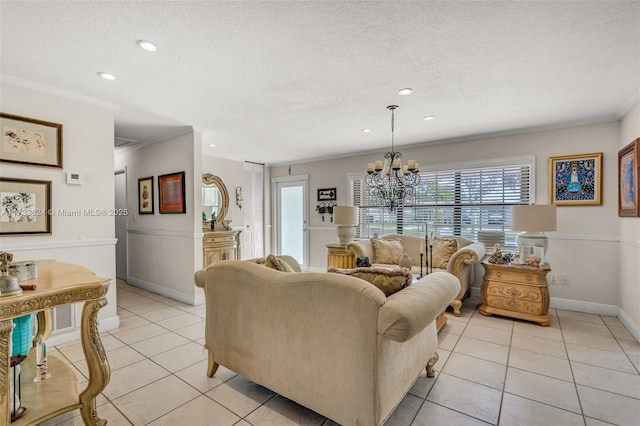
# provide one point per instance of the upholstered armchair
(462, 261)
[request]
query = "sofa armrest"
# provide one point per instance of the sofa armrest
(407, 312)
(468, 255)
(200, 278)
(361, 247)
(291, 261)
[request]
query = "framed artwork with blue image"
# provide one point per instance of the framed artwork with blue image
(575, 180)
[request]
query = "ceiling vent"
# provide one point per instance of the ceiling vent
(124, 142)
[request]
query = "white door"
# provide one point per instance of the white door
(253, 196)
(121, 223)
(291, 235)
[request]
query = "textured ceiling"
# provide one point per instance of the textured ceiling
(279, 82)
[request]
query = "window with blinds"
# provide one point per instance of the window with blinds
(471, 200)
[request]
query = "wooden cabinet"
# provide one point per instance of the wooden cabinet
(338, 257)
(220, 245)
(516, 291)
(58, 284)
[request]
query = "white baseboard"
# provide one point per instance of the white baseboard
(170, 293)
(586, 307)
(589, 308)
(633, 328)
(107, 324)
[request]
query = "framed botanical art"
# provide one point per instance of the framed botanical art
(30, 142)
(628, 175)
(575, 180)
(145, 195)
(171, 193)
(26, 207)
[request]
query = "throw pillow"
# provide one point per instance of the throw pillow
(443, 249)
(387, 280)
(387, 251)
(274, 263)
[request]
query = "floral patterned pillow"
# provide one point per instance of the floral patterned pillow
(273, 262)
(443, 249)
(387, 251)
(387, 280)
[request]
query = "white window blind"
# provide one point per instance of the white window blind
(470, 200)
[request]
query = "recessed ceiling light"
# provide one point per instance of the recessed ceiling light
(428, 117)
(107, 76)
(147, 45)
(212, 145)
(366, 130)
(406, 91)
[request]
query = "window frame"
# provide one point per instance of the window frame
(503, 233)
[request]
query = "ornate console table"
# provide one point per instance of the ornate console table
(57, 284)
(516, 291)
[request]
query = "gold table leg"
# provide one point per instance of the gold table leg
(99, 372)
(5, 359)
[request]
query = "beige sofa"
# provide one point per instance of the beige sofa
(461, 264)
(330, 342)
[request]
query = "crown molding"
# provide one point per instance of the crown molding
(12, 81)
(628, 106)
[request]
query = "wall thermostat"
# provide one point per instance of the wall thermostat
(74, 178)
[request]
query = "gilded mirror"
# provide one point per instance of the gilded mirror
(215, 199)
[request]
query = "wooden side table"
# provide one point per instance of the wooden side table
(338, 257)
(516, 291)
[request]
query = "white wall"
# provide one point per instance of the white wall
(629, 230)
(87, 149)
(164, 250)
(585, 246)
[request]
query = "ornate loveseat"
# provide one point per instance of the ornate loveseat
(461, 263)
(333, 343)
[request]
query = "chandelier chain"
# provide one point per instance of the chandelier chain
(392, 183)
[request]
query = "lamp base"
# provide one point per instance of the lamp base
(345, 234)
(536, 239)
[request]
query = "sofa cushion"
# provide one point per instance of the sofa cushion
(388, 281)
(387, 251)
(273, 262)
(443, 249)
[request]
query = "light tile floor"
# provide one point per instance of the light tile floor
(582, 370)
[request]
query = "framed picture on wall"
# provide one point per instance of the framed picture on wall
(145, 195)
(30, 142)
(26, 207)
(628, 174)
(327, 194)
(575, 180)
(171, 193)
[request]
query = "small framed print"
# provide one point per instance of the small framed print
(171, 193)
(575, 180)
(26, 207)
(327, 194)
(145, 195)
(628, 174)
(30, 142)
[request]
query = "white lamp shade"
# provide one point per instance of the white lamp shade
(345, 215)
(534, 218)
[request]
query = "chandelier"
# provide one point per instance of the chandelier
(390, 181)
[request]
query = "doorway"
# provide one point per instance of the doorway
(291, 213)
(121, 223)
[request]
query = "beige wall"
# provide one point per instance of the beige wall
(163, 250)
(585, 246)
(629, 231)
(232, 174)
(87, 149)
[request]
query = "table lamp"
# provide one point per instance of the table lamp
(346, 217)
(533, 220)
